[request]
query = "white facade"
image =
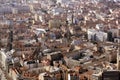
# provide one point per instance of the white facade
(3, 58)
(101, 36)
(62, 1)
(42, 19)
(98, 35)
(14, 11)
(90, 33)
(32, 1)
(56, 11)
(115, 32)
(117, 40)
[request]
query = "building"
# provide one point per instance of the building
(57, 11)
(95, 35)
(115, 32)
(5, 10)
(6, 58)
(117, 40)
(111, 75)
(118, 60)
(63, 1)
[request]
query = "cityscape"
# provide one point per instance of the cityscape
(59, 39)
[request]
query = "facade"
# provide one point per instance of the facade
(6, 58)
(14, 74)
(3, 58)
(118, 60)
(5, 10)
(96, 35)
(115, 32)
(117, 40)
(111, 75)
